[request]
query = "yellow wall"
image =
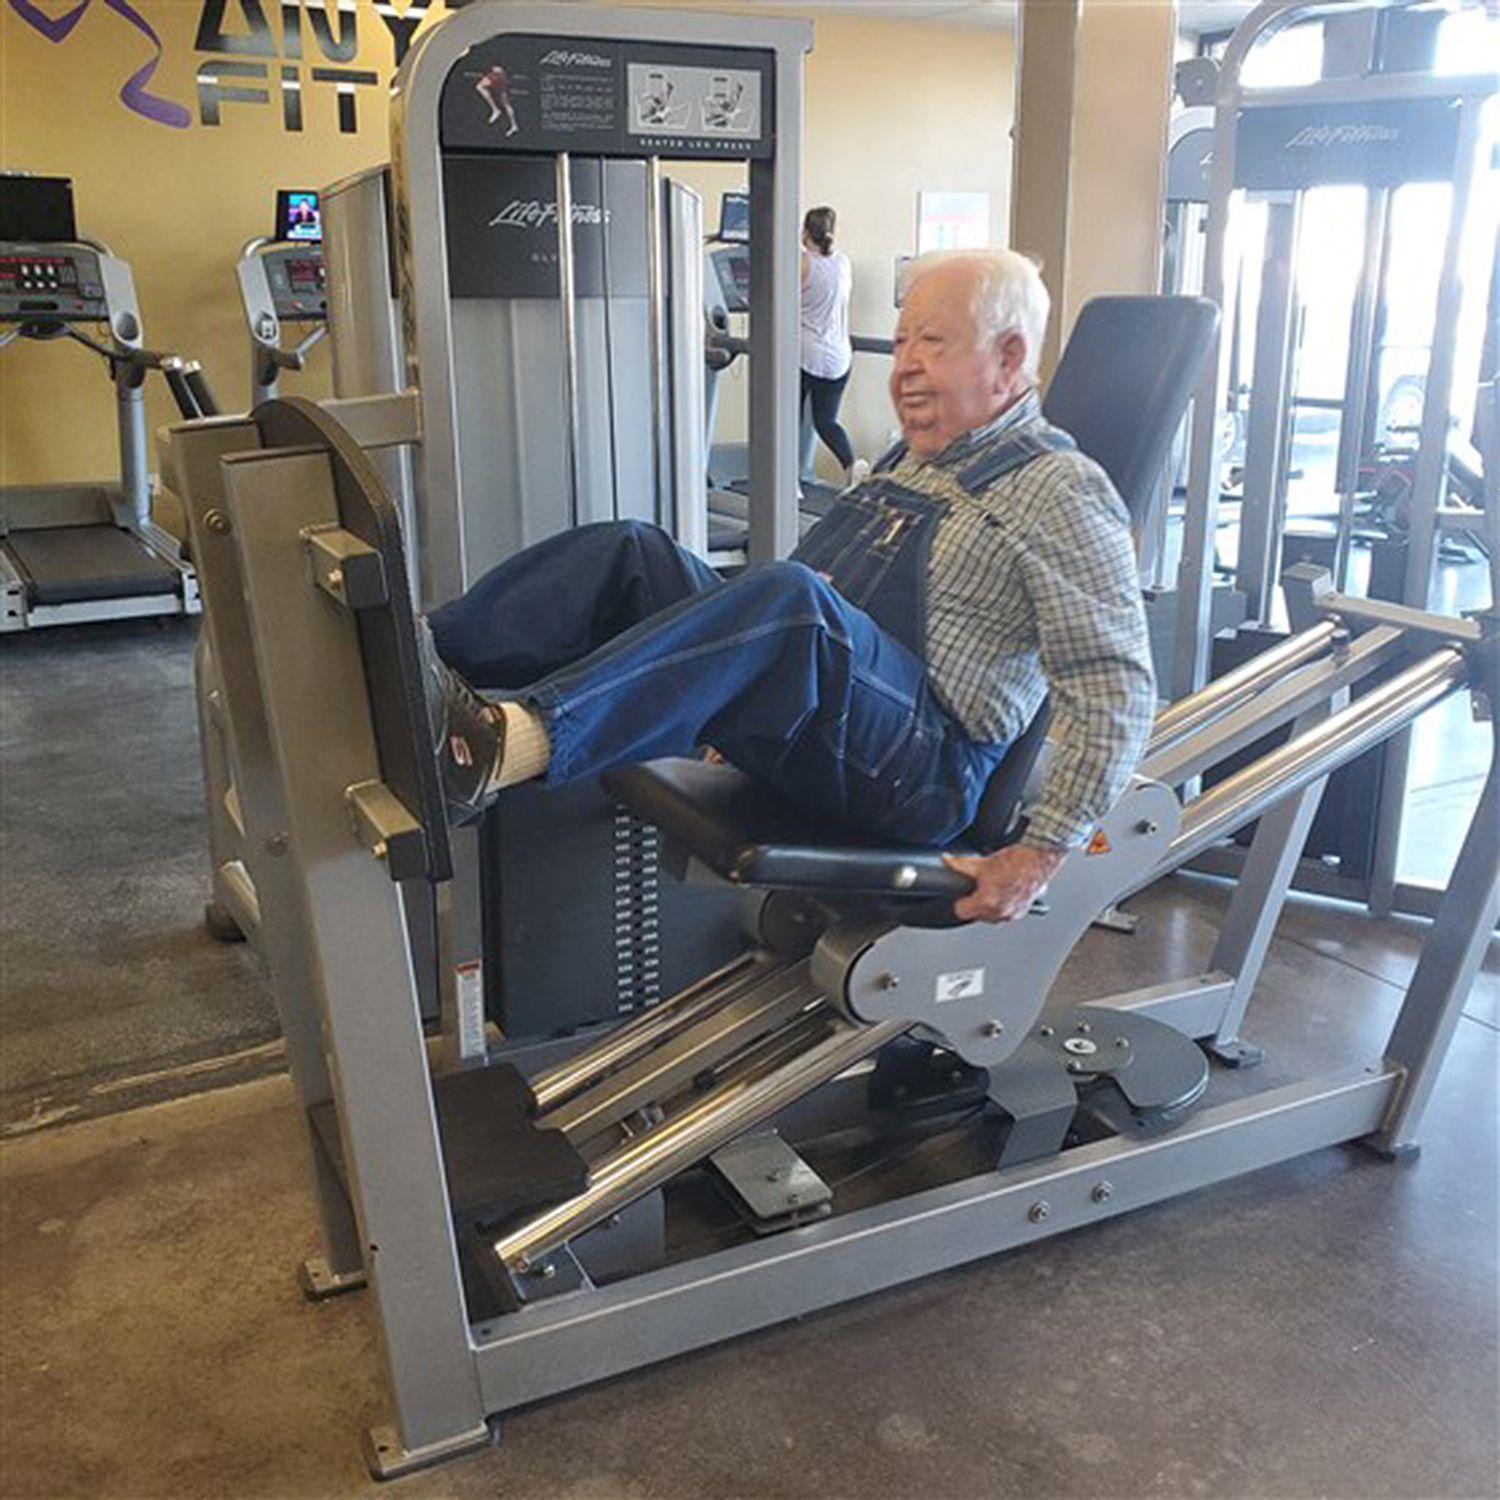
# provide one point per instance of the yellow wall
(892, 108)
(176, 203)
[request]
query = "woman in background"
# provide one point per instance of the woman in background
(827, 282)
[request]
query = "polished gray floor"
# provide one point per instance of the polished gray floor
(1324, 1328)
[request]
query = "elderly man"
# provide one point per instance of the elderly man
(880, 674)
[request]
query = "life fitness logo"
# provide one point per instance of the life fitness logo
(244, 61)
(533, 213)
(1322, 137)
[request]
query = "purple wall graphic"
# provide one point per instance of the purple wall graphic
(134, 93)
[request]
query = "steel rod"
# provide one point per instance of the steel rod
(567, 302)
(718, 1117)
(757, 1011)
(1376, 716)
(656, 279)
(644, 1031)
(1229, 691)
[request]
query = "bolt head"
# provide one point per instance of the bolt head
(1103, 1192)
(1147, 826)
(889, 981)
(992, 1028)
(1039, 1210)
(217, 522)
(1084, 1028)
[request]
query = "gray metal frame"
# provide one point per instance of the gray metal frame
(344, 979)
(427, 328)
(1261, 531)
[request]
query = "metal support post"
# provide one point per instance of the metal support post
(1444, 975)
(775, 193)
(1429, 485)
(1263, 506)
(1359, 374)
(567, 293)
(286, 937)
(307, 650)
(1260, 894)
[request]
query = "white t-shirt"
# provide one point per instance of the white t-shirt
(826, 352)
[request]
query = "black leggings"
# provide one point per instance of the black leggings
(825, 396)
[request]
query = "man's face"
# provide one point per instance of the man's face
(944, 380)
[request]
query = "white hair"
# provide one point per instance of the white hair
(1009, 294)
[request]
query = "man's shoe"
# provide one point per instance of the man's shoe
(859, 471)
(468, 734)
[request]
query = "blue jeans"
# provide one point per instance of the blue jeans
(631, 648)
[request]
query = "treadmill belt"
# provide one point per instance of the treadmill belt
(74, 564)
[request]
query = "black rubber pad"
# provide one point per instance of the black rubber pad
(387, 632)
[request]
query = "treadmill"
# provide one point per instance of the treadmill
(282, 281)
(79, 552)
(726, 292)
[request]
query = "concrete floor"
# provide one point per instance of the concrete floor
(1324, 1328)
(111, 987)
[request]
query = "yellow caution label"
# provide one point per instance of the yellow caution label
(1099, 844)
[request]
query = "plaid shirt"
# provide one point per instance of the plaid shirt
(1032, 588)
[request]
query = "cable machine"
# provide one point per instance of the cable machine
(1378, 118)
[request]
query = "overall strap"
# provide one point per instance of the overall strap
(890, 458)
(1014, 453)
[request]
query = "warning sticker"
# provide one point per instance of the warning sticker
(469, 986)
(961, 984)
(1099, 844)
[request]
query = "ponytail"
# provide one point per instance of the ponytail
(818, 226)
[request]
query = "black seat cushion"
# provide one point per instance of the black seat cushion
(750, 836)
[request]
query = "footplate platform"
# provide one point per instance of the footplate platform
(372, 581)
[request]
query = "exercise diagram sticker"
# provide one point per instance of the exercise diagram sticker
(695, 103)
(961, 984)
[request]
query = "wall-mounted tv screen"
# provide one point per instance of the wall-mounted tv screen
(298, 216)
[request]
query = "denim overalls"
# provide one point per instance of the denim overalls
(808, 674)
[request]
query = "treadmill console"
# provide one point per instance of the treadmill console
(294, 275)
(732, 266)
(51, 281)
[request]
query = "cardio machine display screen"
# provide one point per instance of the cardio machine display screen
(732, 265)
(734, 218)
(36, 210)
(299, 216)
(37, 273)
(305, 276)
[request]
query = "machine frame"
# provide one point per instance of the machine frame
(333, 843)
(1267, 431)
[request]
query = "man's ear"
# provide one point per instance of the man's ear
(1012, 354)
